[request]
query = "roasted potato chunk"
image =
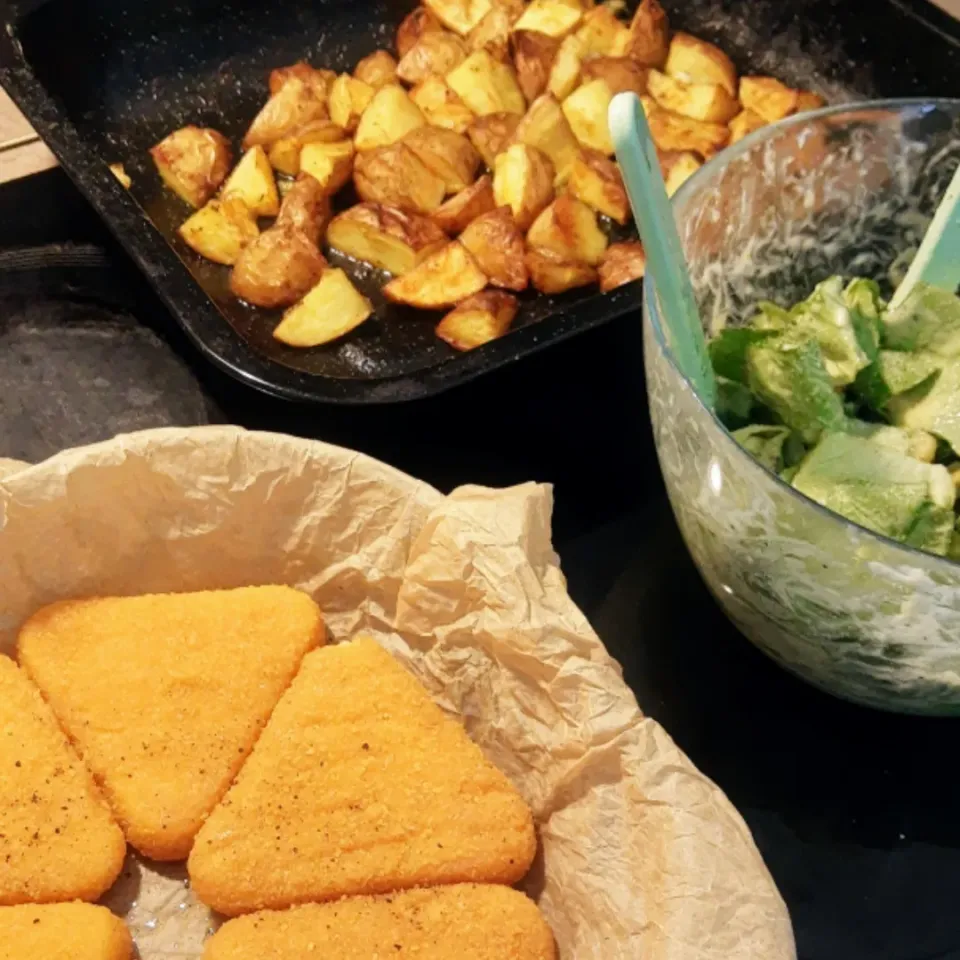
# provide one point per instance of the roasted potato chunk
(120, 172)
(319, 81)
(569, 227)
(377, 69)
(767, 97)
(697, 61)
(492, 134)
(293, 106)
(441, 106)
(330, 164)
(809, 101)
(602, 34)
(390, 116)
(284, 155)
(461, 16)
(677, 168)
(277, 268)
(442, 280)
(390, 239)
(744, 123)
(464, 207)
(413, 27)
(329, 311)
(252, 182)
(397, 177)
(618, 73)
(595, 180)
(551, 273)
(566, 69)
(492, 34)
(436, 53)
(496, 243)
(671, 132)
(700, 101)
(306, 208)
(555, 18)
(586, 111)
(478, 320)
(533, 56)
(349, 98)
(621, 263)
(193, 162)
(220, 230)
(523, 181)
(649, 35)
(486, 85)
(448, 155)
(545, 127)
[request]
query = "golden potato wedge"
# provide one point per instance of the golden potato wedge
(377, 69)
(414, 26)
(252, 182)
(551, 273)
(567, 66)
(523, 181)
(293, 106)
(436, 53)
(486, 85)
(349, 98)
(677, 167)
(514, 8)
(595, 180)
(220, 230)
(618, 73)
(602, 34)
(555, 18)
(569, 227)
(699, 101)
(461, 16)
(533, 56)
(492, 134)
(463, 208)
(621, 263)
(697, 61)
(389, 118)
(496, 243)
(329, 311)
(442, 280)
(767, 97)
(193, 162)
(806, 100)
(277, 268)
(120, 172)
(319, 81)
(330, 164)
(397, 177)
(743, 123)
(441, 106)
(448, 155)
(671, 132)
(391, 239)
(284, 154)
(586, 111)
(649, 35)
(306, 208)
(545, 127)
(478, 320)
(492, 34)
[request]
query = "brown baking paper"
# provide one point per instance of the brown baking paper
(642, 857)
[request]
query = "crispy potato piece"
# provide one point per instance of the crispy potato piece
(603, 35)
(545, 127)
(569, 227)
(330, 164)
(697, 61)
(745, 123)
(220, 230)
(252, 182)
(492, 134)
(396, 176)
(586, 111)
(618, 73)
(436, 53)
(319, 81)
(377, 69)
(567, 67)
(461, 16)
(487, 86)
(514, 8)
(700, 101)
(767, 97)
(649, 35)
(595, 180)
(677, 167)
(329, 311)
(523, 181)
(277, 268)
(442, 280)
(70, 931)
(441, 106)
(496, 243)
(120, 172)
(390, 239)
(555, 18)
(293, 106)
(621, 263)
(672, 132)
(806, 100)
(478, 320)
(448, 155)
(464, 207)
(551, 273)
(492, 34)
(193, 162)
(349, 98)
(414, 26)
(284, 155)
(306, 207)
(533, 56)
(389, 118)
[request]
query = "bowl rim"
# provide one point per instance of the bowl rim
(710, 170)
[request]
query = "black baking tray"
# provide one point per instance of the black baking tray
(103, 80)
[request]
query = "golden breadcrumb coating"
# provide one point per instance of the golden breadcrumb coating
(62, 931)
(165, 695)
(359, 785)
(58, 840)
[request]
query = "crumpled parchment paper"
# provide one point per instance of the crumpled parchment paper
(642, 857)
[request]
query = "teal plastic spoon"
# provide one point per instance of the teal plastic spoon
(937, 262)
(666, 266)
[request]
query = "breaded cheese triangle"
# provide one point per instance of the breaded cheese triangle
(466, 921)
(358, 785)
(58, 840)
(165, 695)
(62, 931)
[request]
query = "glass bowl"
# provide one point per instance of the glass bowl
(846, 190)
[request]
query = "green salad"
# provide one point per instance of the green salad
(854, 404)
